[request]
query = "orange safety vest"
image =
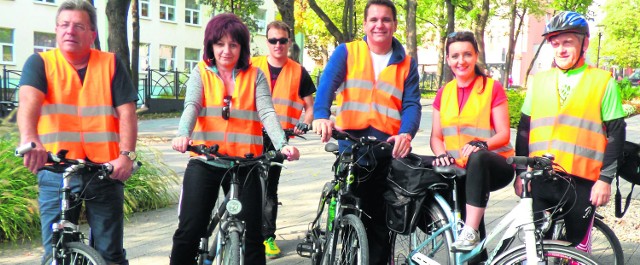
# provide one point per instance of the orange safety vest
(242, 133)
(573, 133)
(362, 101)
(79, 116)
(285, 93)
(473, 123)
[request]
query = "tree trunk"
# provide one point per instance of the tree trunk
(331, 27)
(482, 19)
(286, 10)
(135, 42)
(451, 19)
(512, 43)
(533, 61)
(116, 12)
(411, 29)
(96, 42)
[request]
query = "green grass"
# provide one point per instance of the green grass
(150, 188)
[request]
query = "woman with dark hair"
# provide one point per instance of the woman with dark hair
(471, 129)
(227, 103)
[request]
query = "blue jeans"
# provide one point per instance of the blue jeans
(104, 200)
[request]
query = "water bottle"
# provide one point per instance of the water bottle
(332, 213)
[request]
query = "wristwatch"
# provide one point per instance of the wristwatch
(129, 154)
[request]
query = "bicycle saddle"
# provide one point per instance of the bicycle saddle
(450, 171)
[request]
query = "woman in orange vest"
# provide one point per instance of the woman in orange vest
(471, 129)
(227, 103)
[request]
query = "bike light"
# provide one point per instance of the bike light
(234, 206)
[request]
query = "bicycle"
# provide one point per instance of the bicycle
(228, 244)
(431, 241)
(338, 236)
(69, 245)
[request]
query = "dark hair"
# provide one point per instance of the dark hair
(465, 36)
(79, 5)
(386, 3)
(279, 25)
(223, 25)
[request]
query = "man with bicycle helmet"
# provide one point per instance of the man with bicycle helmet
(574, 112)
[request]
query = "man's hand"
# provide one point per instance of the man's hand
(36, 158)
(180, 143)
(301, 128)
(402, 145)
(291, 152)
(323, 127)
(122, 167)
(600, 193)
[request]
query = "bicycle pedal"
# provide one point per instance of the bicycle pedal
(422, 259)
(305, 249)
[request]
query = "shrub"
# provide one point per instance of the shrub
(515, 98)
(150, 188)
(628, 109)
(627, 92)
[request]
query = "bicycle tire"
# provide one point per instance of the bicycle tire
(431, 219)
(553, 253)
(77, 253)
(205, 251)
(352, 246)
(231, 250)
(605, 246)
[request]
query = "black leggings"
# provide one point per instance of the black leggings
(486, 172)
(578, 210)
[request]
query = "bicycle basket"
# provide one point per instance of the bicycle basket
(407, 184)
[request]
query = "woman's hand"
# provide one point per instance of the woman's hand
(291, 152)
(180, 143)
(443, 160)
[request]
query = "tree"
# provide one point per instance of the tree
(411, 33)
(116, 12)
(96, 42)
(135, 42)
(621, 41)
(244, 9)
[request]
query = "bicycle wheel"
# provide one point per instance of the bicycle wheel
(605, 246)
(553, 254)
(77, 253)
(431, 219)
(352, 246)
(231, 250)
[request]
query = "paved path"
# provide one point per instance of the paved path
(148, 234)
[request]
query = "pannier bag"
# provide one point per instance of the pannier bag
(407, 184)
(628, 169)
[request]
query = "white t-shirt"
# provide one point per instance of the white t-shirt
(380, 62)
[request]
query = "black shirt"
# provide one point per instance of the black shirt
(307, 87)
(122, 90)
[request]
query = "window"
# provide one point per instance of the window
(167, 57)
(143, 57)
(261, 21)
(43, 41)
(191, 58)
(168, 10)
(46, 1)
(144, 8)
(192, 12)
(6, 45)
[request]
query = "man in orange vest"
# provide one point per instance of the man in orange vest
(574, 112)
(82, 100)
(292, 91)
(378, 96)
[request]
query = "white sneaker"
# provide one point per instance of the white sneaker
(467, 240)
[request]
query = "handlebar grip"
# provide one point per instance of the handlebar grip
(520, 160)
(25, 148)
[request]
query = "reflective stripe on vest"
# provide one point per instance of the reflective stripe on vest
(242, 133)
(362, 101)
(573, 133)
(473, 123)
(79, 116)
(285, 93)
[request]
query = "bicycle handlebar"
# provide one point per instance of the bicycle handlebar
(211, 153)
(60, 159)
(364, 140)
(537, 162)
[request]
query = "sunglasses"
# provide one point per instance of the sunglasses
(226, 110)
(275, 41)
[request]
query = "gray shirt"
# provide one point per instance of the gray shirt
(195, 95)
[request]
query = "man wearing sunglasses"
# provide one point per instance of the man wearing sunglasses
(292, 91)
(375, 84)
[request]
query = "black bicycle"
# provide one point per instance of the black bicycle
(337, 235)
(69, 245)
(227, 246)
